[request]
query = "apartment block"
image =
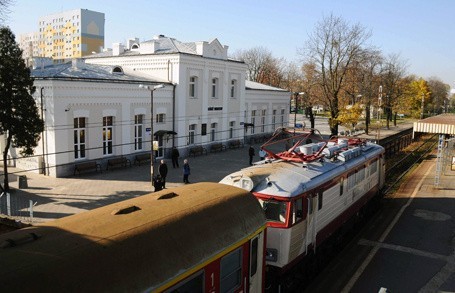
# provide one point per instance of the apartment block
(65, 35)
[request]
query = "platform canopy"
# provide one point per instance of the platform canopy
(440, 124)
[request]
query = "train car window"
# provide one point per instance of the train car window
(231, 271)
(310, 205)
(373, 167)
(341, 186)
(194, 283)
(351, 181)
(274, 210)
(254, 256)
(320, 200)
(297, 210)
(360, 175)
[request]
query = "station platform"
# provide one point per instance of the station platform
(409, 246)
(58, 197)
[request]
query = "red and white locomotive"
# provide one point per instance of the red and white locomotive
(310, 190)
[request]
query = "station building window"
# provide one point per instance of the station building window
(79, 137)
(108, 127)
(138, 131)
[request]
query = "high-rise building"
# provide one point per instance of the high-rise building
(66, 35)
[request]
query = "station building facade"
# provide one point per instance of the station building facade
(95, 108)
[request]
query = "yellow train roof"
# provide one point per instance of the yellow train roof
(132, 245)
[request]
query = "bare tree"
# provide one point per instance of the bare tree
(312, 91)
(4, 9)
(393, 85)
(332, 47)
(366, 73)
(256, 59)
(439, 95)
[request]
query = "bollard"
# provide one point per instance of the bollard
(23, 182)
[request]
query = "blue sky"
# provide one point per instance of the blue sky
(422, 32)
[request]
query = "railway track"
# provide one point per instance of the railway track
(402, 162)
(399, 162)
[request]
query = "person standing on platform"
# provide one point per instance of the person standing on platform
(251, 154)
(186, 171)
(163, 172)
(175, 157)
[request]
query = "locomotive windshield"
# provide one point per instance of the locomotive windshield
(275, 211)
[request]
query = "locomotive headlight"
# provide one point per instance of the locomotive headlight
(246, 183)
(271, 254)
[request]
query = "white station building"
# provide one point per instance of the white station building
(100, 107)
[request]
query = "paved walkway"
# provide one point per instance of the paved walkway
(59, 197)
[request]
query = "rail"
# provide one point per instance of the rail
(407, 163)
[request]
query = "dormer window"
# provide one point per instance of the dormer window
(135, 46)
(117, 70)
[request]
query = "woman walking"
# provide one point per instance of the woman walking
(186, 171)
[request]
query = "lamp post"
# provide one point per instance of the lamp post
(379, 112)
(296, 107)
(43, 167)
(151, 89)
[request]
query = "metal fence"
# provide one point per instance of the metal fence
(16, 208)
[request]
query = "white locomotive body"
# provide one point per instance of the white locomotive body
(310, 190)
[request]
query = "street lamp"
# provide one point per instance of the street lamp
(379, 112)
(296, 107)
(151, 89)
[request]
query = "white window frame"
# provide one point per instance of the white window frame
(160, 118)
(213, 131)
(108, 134)
(253, 119)
(263, 113)
(193, 87)
(191, 134)
(231, 129)
(80, 138)
(138, 131)
(233, 88)
(214, 93)
(274, 120)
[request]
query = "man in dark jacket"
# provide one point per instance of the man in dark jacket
(175, 157)
(251, 154)
(163, 172)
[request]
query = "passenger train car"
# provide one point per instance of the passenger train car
(309, 190)
(204, 237)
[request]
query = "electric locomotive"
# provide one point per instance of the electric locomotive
(309, 190)
(203, 237)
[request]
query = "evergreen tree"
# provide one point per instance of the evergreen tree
(20, 122)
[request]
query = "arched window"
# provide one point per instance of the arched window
(214, 88)
(233, 88)
(117, 70)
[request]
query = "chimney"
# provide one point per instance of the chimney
(117, 49)
(41, 62)
(78, 63)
